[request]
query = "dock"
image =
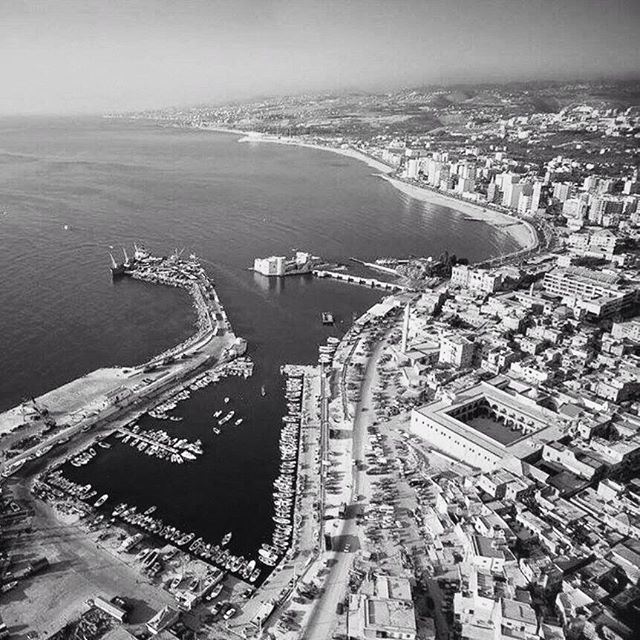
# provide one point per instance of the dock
(140, 436)
(107, 395)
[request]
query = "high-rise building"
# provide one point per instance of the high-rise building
(433, 172)
(411, 168)
(590, 183)
(465, 185)
(524, 204)
(604, 206)
(574, 208)
(513, 191)
(536, 196)
(503, 179)
(493, 193)
(561, 190)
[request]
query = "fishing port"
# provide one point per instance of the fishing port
(143, 414)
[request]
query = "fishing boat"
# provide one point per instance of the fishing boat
(226, 418)
(101, 500)
(255, 574)
(226, 539)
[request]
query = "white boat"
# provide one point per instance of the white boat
(101, 500)
(226, 539)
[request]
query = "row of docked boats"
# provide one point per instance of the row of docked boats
(327, 351)
(238, 367)
(284, 493)
(216, 554)
(84, 457)
(160, 444)
(242, 367)
(161, 411)
(83, 492)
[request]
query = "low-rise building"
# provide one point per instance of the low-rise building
(383, 609)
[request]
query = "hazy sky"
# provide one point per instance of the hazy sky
(95, 55)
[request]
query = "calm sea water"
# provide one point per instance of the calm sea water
(113, 183)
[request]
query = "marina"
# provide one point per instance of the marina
(159, 444)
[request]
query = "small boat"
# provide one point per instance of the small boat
(226, 400)
(254, 575)
(101, 500)
(216, 591)
(238, 421)
(216, 431)
(226, 418)
(327, 318)
(262, 391)
(226, 539)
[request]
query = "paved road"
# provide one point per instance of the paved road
(322, 621)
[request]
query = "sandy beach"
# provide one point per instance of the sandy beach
(522, 232)
(350, 153)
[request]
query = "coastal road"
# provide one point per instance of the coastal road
(322, 620)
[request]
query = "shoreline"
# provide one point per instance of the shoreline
(519, 230)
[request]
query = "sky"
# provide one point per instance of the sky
(76, 56)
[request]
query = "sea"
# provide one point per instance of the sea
(74, 189)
